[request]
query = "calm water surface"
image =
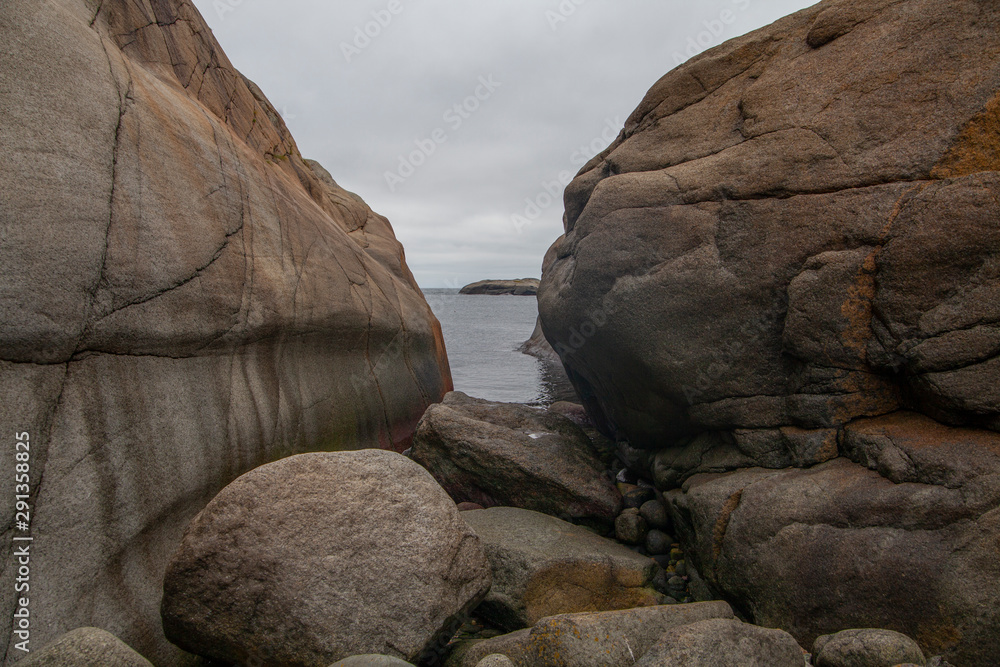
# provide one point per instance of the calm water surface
(482, 334)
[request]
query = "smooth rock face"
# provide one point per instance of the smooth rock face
(514, 456)
(543, 566)
(866, 648)
(522, 287)
(182, 299)
(724, 643)
(85, 647)
(320, 557)
(842, 546)
(789, 232)
(611, 639)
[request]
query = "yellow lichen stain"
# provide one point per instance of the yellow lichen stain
(977, 148)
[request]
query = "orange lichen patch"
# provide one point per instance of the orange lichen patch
(865, 395)
(857, 308)
(591, 587)
(937, 638)
(977, 148)
(722, 523)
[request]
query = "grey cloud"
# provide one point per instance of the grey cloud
(559, 88)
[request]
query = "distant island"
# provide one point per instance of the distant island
(522, 287)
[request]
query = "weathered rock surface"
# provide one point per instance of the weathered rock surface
(501, 454)
(85, 647)
(795, 229)
(612, 639)
(866, 648)
(521, 287)
(723, 643)
(841, 546)
(371, 661)
(543, 566)
(320, 557)
(182, 299)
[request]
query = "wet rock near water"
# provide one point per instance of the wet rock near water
(500, 454)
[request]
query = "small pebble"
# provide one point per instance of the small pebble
(680, 569)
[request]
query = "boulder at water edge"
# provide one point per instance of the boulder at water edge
(544, 566)
(320, 557)
(794, 231)
(515, 456)
(182, 298)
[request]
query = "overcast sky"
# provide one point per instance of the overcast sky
(457, 119)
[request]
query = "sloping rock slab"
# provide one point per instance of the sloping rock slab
(543, 566)
(502, 454)
(320, 557)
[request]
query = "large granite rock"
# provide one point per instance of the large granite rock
(543, 566)
(797, 228)
(182, 299)
(514, 456)
(839, 546)
(320, 557)
(795, 233)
